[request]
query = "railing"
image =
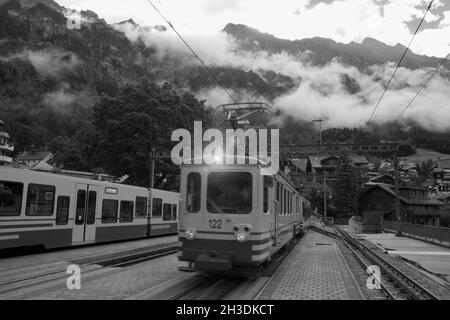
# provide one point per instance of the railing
(428, 233)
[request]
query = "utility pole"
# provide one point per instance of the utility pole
(152, 168)
(397, 198)
(324, 196)
(319, 121)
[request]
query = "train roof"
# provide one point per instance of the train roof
(44, 175)
(261, 163)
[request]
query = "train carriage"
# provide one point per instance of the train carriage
(40, 208)
(233, 216)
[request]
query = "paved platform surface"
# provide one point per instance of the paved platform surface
(433, 258)
(13, 267)
(315, 270)
(107, 283)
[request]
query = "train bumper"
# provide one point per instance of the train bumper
(222, 255)
(206, 261)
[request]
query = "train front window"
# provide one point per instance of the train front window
(194, 186)
(230, 192)
(10, 198)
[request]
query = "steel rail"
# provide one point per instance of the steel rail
(393, 272)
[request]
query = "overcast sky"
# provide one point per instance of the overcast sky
(390, 21)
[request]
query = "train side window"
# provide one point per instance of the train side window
(194, 184)
(277, 186)
(92, 205)
(62, 210)
(268, 183)
(174, 212)
(11, 194)
(290, 203)
(109, 211)
(126, 211)
(40, 200)
(157, 208)
(81, 205)
(167, 212)
(141, 206)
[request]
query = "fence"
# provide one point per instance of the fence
(432, 234)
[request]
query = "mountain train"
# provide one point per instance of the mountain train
(233, 218)
(54, 211)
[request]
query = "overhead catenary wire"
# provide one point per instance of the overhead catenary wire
(193, 52)
(445, 59)
(399, 63)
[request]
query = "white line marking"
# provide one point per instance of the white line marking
(11, 237)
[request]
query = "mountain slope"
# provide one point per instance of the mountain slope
(369, 52)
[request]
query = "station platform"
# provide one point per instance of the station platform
(314, 270)
(430, 257)
(20, 266)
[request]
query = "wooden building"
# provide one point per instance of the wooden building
(415, 207)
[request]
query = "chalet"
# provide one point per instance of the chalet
(33, 158)
(415, 207)
(358, 162)
(323, 166)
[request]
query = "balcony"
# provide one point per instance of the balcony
(6, 159)
(6, 147)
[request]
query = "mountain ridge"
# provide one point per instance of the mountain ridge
(369, 52)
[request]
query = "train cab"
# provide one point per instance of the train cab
(234, 216)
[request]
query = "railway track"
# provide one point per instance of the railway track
(208, 289)
(395, 283)
(88, 265)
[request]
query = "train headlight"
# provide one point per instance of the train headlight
(241, 237)
(190, 234)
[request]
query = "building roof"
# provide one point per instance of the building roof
(300, 164)
(410, 201)
(382, 176)
(30, 156)
(357, 159)
(316, 161)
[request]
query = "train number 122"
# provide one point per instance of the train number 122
(215, 224)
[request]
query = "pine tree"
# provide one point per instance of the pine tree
(345, 190)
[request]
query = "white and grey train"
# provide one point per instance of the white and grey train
(52, 210)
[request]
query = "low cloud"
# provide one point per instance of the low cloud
(342, 94)
(50, 62)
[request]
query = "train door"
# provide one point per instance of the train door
(85, 212)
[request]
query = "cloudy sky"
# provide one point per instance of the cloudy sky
(391, 21)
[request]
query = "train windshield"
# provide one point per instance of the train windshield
(229, 192)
